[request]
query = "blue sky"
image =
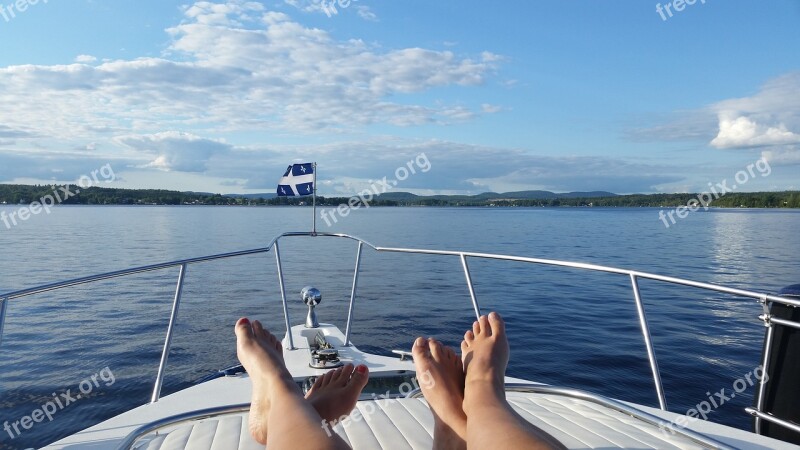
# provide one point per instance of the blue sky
(557, 95)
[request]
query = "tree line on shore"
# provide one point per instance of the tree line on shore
(14, 194)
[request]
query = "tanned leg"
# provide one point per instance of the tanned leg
(441, 379)
(277, 404)
(491, 422)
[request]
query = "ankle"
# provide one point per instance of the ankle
(482, 393)
(453, 433)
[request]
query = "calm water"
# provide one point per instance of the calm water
(568, 328)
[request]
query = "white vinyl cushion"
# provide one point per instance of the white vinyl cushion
(408, 424)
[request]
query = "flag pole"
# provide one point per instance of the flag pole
(314, 202)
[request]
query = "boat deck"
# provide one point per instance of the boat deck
(401, 423)
(213, 415)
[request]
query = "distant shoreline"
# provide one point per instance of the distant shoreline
(106, 205)
(23, 195)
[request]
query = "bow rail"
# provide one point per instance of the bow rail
(634, 276)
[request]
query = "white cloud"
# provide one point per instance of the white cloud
(787, 156)
(366, 13)
(490, 109)
(174, 151)
(306, 5)
(8, 132)
(343, 169)
(219, 75)
(770, 117)
(742, 131)
(223, 14)
(85, 59)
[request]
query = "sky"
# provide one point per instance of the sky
(627, 96)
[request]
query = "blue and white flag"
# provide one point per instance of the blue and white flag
(297, 181)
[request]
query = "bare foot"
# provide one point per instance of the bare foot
(441, 379)
(492, 420)
(261, 354)
(336, 393)
(485, 354)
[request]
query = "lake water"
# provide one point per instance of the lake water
(567, 327)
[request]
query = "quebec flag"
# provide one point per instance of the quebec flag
(298, 180)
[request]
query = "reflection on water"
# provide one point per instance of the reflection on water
(567, 327)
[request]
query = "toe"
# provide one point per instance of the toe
(343, 374)
(421, 349)
(469, 336)
(317, 384)
(496, 323)
(437, 350)
(258, 329)
(476, 328)
(485, 328)
(243, 329)
(360, 376)
(328, 377)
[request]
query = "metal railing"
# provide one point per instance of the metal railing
(633, 275)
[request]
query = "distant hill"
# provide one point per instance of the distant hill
(519, 195)
(407, 196)
(264, 195)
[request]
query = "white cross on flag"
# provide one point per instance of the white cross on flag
(297, 181)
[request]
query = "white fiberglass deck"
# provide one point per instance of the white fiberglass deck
(396, 423)
(403, 423)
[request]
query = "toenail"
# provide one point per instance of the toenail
(361, 369)
(244, 321)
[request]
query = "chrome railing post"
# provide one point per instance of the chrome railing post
(762, 385)
(173, 317)
(471, 287)
(3, 308)
(353, 294)
(651, 354)
(283, 297)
